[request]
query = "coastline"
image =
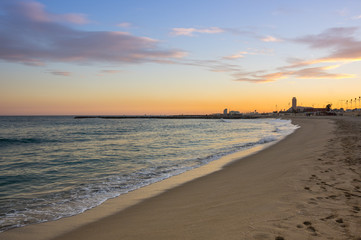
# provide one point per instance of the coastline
(49, 229)
(272, 193)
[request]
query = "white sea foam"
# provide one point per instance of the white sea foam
(76, 165)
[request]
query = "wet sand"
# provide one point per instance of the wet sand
(307, 186)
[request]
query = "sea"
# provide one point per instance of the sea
(58, 166)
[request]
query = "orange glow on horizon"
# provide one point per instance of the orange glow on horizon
(163, 107)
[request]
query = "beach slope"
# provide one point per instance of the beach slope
(307, 186)
(277, 192)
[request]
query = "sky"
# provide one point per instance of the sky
(135, 57)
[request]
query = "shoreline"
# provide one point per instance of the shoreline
(49, 229)
(276, 192)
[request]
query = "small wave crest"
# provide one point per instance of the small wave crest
(267, 139)
(236, 148)
(93, 161)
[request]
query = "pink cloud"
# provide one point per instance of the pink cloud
(334, 37)
(345, 47)
(303, 73)
(190, 31)
(236, 56)
(242, 54)
(271, 39)
(212, 65)
(36, 12)
(124, 25)
(59, 73)
(319, 73)
(29, 35)
(74, 18)
(258, 77)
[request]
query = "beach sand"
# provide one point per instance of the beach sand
(307, 186)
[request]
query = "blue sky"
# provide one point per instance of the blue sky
(151, 57)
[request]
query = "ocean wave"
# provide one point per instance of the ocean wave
(267, 139)
(92, 161)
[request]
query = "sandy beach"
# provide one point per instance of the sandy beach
(307, 186)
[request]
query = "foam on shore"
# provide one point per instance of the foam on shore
(48, 230)
(299, 188)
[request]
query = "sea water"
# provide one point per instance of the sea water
(54, 167)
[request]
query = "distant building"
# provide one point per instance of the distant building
(294, 104)
(234, 112)
(302, 109)
(225, 111)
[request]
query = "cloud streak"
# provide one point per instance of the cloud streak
(242, 54)
(111, 71)
(304, 73)
(271, 39)
(59, 73)
(190, 31)
(236, 56)
(35, 12)
(32, 36)
(124, 25)
(344, 49)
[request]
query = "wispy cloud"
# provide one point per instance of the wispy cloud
(304, 73)
(236, 56)
(319, 73)
(246, 32)
(258, 77)
(271, 39)
(124, 25)
(333, 37)
(32, 36)
(60, 73)
(190, 31)
(344, 48)
(211, 65)
(108, 72)
(35, 12)
(249, 51)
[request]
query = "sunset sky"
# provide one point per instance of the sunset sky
(115, 57)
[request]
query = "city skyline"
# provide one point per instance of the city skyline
(163, 57)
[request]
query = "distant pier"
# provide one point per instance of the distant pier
(212, 116)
